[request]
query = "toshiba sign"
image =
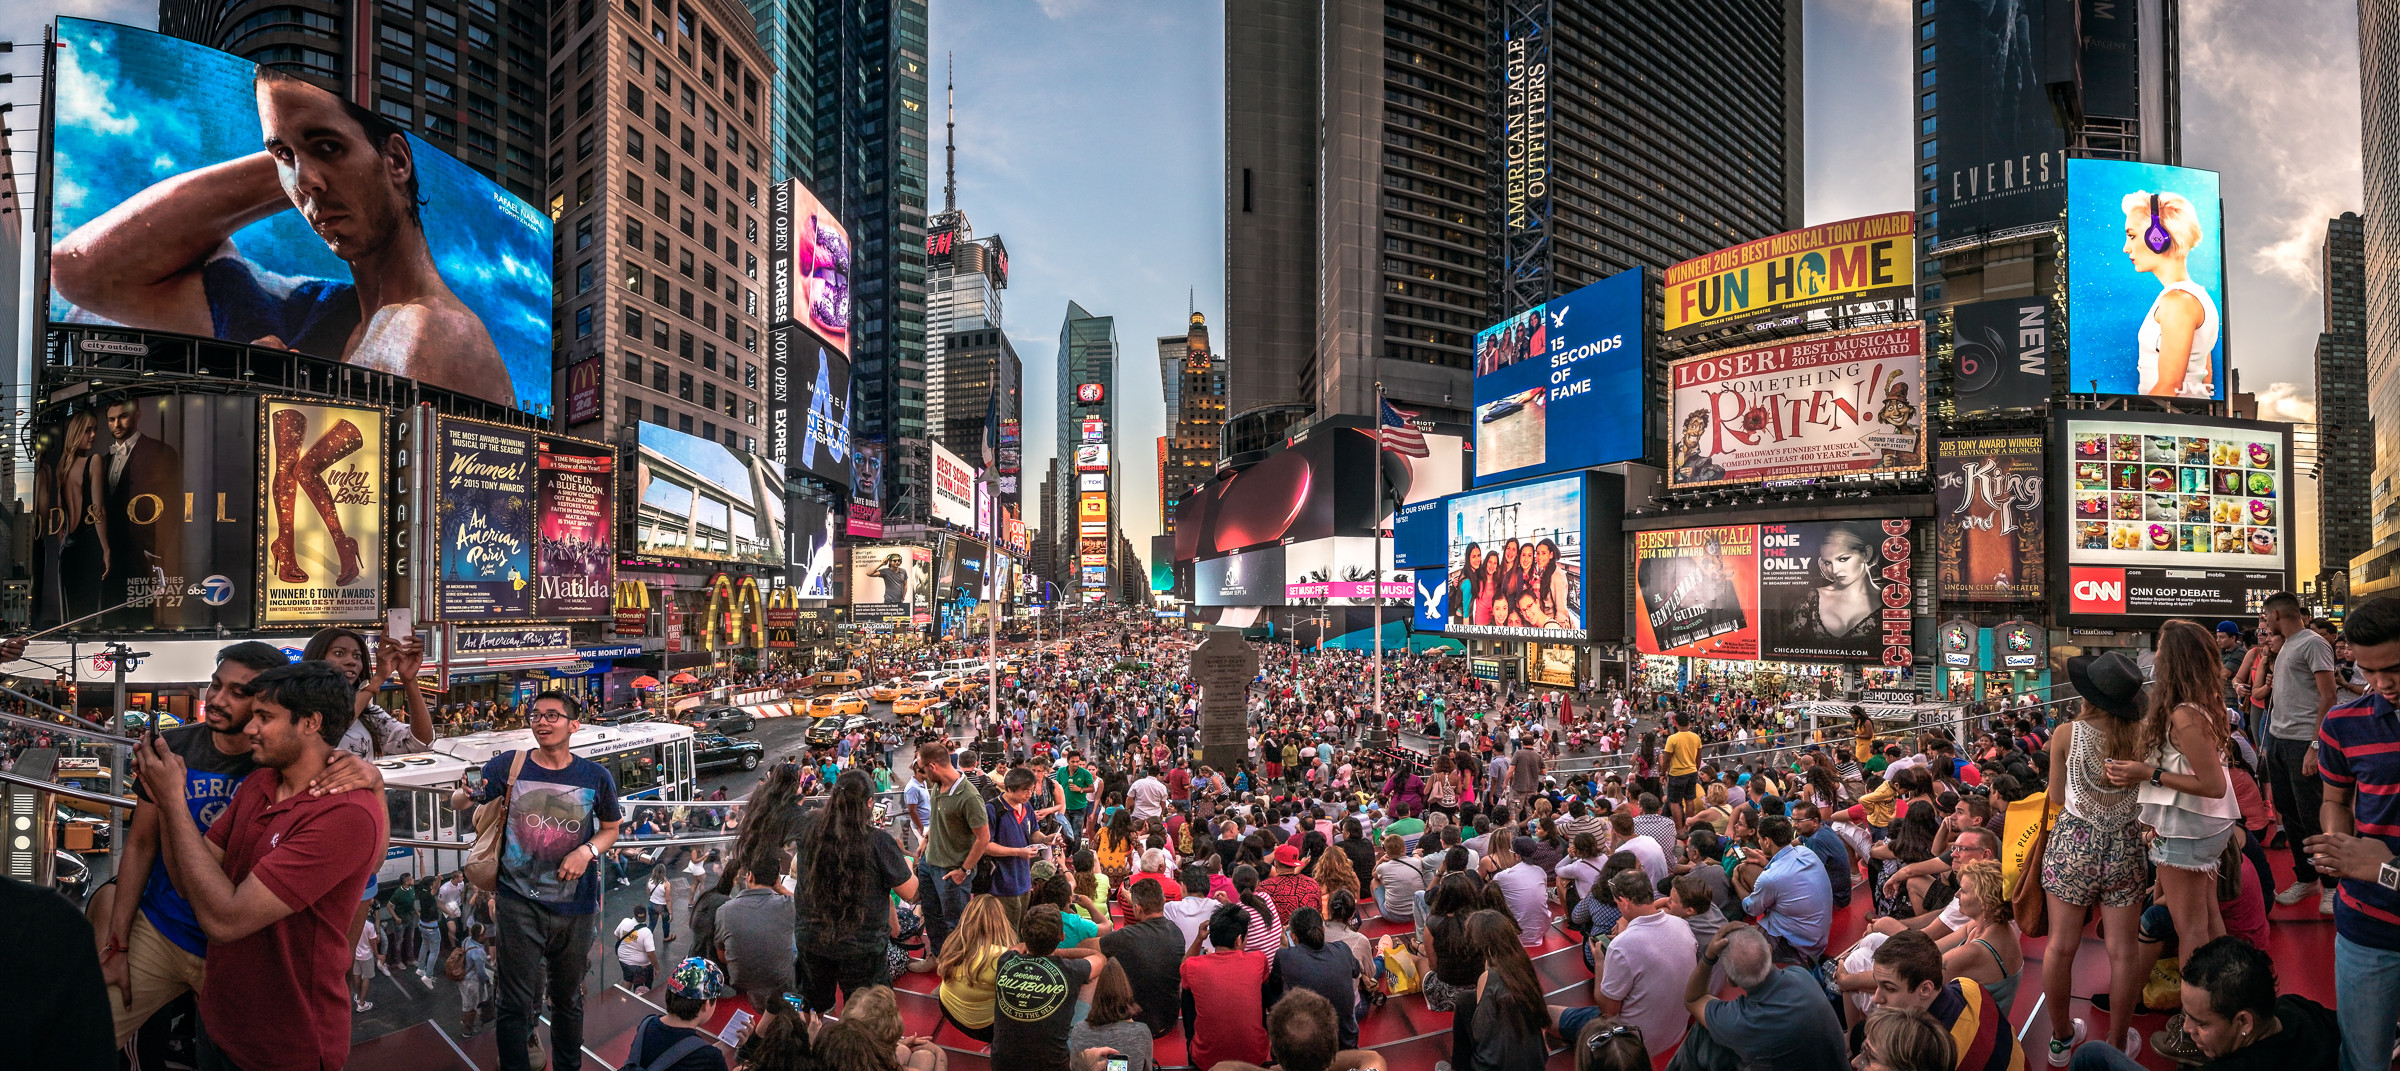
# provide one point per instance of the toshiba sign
(2095, 591)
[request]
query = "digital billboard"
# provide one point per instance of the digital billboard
(147, 500)
(808, 265)
(483, 497)
(953, 488)
(1989, 527)
(1091, 507)
(1340, 572)
(1429, 600)
(699, 499)
(1699, 590)
(2145, 279)
(583, 390)
(811, 426)
(170, 217)
(1517, 560)
(813, 524)
(576, 489)
(1091, 457)
(1813, 269)
(1835, 591)
(1320, 485)
(2172, 515)
(1846, 402)
(1250, 578)
(2000, 160)
(1554, 664)
(1559, 386)
(1090, 393)
(2000, 354)
(891, 584)
(325, 479)
(866, 491)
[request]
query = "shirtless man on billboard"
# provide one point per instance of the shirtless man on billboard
(164, 259)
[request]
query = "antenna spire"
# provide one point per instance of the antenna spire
(950, 136)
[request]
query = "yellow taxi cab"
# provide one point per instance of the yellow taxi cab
(837, 678)
(888, 691)
(952, 686)
(912, 703)
(842, 703)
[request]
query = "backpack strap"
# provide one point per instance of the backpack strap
(673, 1055)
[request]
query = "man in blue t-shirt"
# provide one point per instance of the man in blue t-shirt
(152, 948)
(2358, 757)
(1011, 847)
(562, 813)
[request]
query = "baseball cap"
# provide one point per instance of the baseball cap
(1286, 855)
(1524, 845)
(696, 979)
(2229, 628)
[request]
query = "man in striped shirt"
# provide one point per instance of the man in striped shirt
(2358, 757)
(1908, 976)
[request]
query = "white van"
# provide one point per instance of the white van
(963, 666)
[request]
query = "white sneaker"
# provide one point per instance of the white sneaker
(2325, 903)
(2062, 1050)
(2295, 892)
(2133, 1044)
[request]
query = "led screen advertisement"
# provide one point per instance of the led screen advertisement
(1814, 269)
(170, 217)
(483, 498)
(1988, 529)
(2145, 279)
(1552, 664)
(866, 491)
(808, 410)
(1250, 578)
(1319, 486)
(1340, 572)
(891, 584)
(1091, 457)
(1835, 591)
(700, 500)
(2000, 354)
(2171, 515)
(324, 483)
(808, 265)
(2001, 156)
(812, 527)
(149, 501)
(953, 488)
(576, 495)
(1559, 386)
(1699, 589)
(1848, 402)
(1517, 560)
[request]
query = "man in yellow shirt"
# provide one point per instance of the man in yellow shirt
(1683, 767)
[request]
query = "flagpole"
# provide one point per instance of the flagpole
(1376, 567)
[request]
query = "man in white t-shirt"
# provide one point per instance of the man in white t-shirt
(1148, 796)
(1191, 913)
(1641, 972)
(1527, 888)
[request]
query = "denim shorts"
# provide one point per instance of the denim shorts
(2190, 853)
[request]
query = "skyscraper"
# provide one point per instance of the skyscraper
(473, 77)
(1379, 206)
(2379, 99)
(1193, 378)
(1087, 436)
(2345, 440)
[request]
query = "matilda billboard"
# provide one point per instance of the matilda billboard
(576, 511)
(1826, 405)
(1989, 532)
(323, 481)
(1794, 273)
(484, 509)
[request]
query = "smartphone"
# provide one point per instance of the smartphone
(1114, 1063)
(472, 778)
(400, 623)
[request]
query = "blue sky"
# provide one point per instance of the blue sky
(1091, 137)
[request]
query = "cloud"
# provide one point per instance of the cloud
(1876, 12)
(2283, 401)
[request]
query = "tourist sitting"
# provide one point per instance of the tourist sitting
(1781, 1021)
(1641, 970)
(2235, 1018)
(1908, 976)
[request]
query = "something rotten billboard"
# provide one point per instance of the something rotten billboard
(323, 482)
(147, 501)
(1559, 386)
(1843, 403)
(1989, 532)
(1795, 273)
(2172, 515)
(576, 511)
(484, 507)
(171, 217)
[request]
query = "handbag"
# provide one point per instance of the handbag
(1402, 974)
(491, 820)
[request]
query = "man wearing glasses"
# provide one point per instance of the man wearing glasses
(562, 814)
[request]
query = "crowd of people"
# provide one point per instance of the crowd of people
(1074, 879)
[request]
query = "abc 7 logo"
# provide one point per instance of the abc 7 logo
(216, 590)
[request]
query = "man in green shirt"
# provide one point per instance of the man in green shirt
(1077, 781)
(960, 824)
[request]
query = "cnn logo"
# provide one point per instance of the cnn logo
(2096, 591)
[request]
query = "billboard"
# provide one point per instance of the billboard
(1318, 486)
(1340, 572)
(1834, 404)
(1699, 590)
(2145, 279)
(1559, 386)
(1091, 481)
(953, 488)
(1091, 457)
(1094, 430)
(483, 499)
(1813, 269)
(808, 265)
(1250, 578)
(890, 584)
(1554, 664)
(583, 390)
(1988, 529)
(808, 405)
(1517, 560)
(1525, 126)
(170, 217)
(698, 499)
(812, 527)
(2000, 354)
(576, 508)
(1429, 600)
(1091, 506)
(866, 491)
(2001, 157)
(2172, 515)
(324, 478)
(149, 499)
(1835, 591)
(1090, 393)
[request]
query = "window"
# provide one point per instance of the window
(634, 56)
(658, 329)
(689, 100)
(750, 339)
(586, 140)
(659, 120)
(482, 143)
(659, 249)
(708, 277)
(633, 411)
(583, 100)
(750, 260)
(708, 429)
(396, 111)
(683, 222)
(685, 140)
(395, 74)
(683, 344)
(636, 99)
(664, 165)
(1925, 126)
(658, 205)
(708, 316)
(708, 159)
(708, 395)
(1925, 80)
(633, 234)
(708, 200)
(658, 415)
(441, 19)
(1925, 55)
(686, 181)
(633, 282)
(658, 290)
(583, 233)
(683, 385)
(683, 307)
(479, 37)
(683, 423)
(750, 302)
(441, 126)
(750, 412)
(583, 322)
(441, 56)
(583, 277)
(708, 117)
(586, 52)
(683, 21)
(633, 330)
(440, 91)
(1925, 103)
(484, 106)
(395, 37)
(658, 378)
(658, 33)
(558, 121)
(750, 193)
(583, 189)
(708, 237)
(1929, 149)
(750, 376)
(634, 145)
(708, 356)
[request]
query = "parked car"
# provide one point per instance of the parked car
(721, 719)
(620, 716)
(824, 731)
(711, 750)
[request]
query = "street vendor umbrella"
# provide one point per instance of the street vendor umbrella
(645, 681)
(683, 678)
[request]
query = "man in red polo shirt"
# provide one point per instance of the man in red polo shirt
(275, 880)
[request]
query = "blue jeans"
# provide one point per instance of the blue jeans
(941, 903)
(2101, 1056)
(2369, 981)
(429, 936)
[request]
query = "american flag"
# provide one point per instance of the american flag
(1401, 437)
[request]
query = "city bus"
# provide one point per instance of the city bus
(649, 760)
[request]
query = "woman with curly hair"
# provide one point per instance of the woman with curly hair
(1334, 873)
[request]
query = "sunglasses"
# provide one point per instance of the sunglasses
(1600, 1038)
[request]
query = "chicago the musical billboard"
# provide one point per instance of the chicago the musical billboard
(324, 483)
(1836, 591)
